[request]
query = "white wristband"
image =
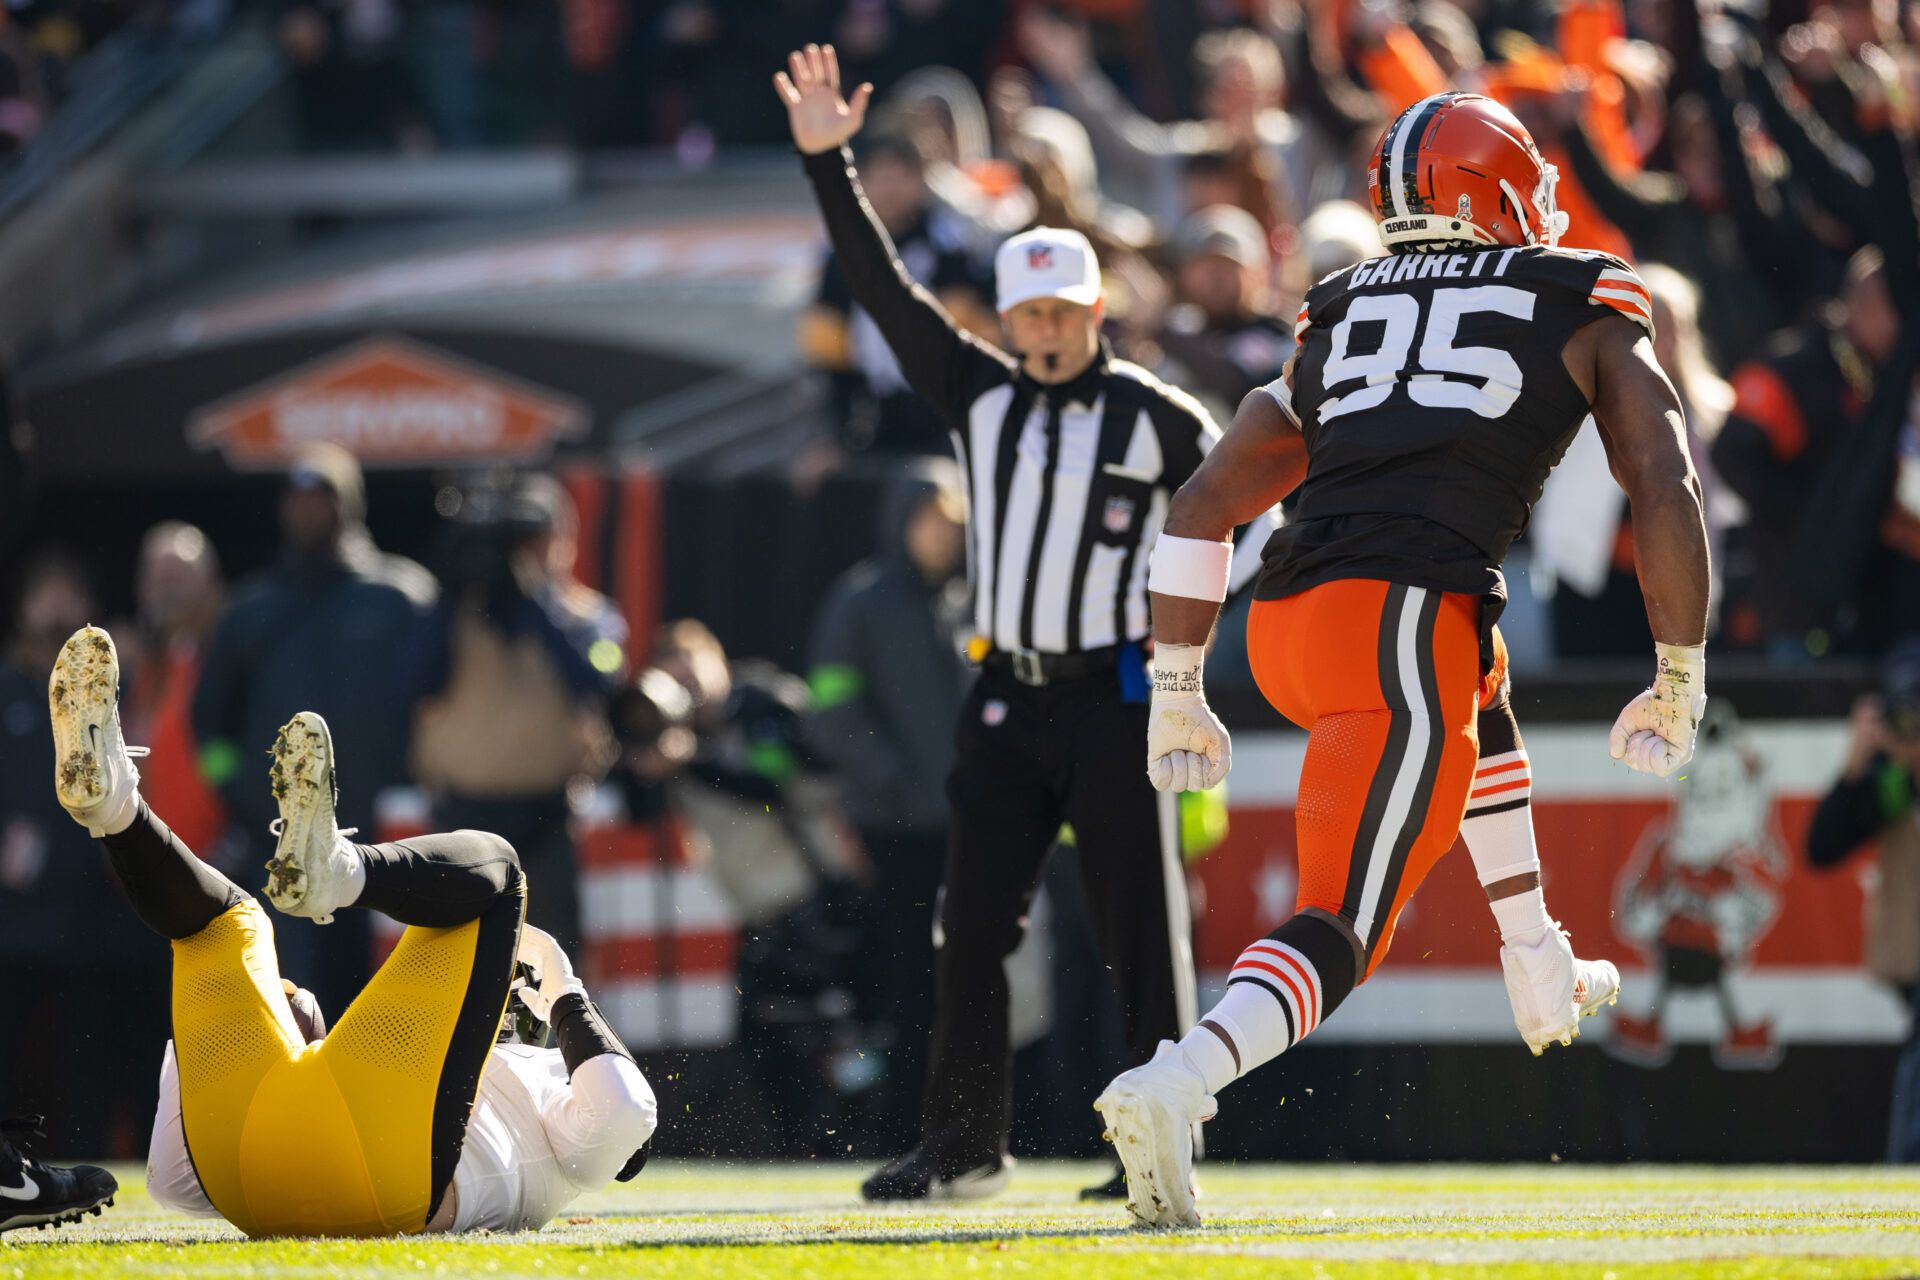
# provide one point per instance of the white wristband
(1682, 667)
(1177, 670)
(1190, 567)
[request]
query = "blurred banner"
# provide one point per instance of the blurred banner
(390, 402)
(662, 938)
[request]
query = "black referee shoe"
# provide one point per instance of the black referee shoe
(928, 1173)
(1114, 1188)
(42, 1195)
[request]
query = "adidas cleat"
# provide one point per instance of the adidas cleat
(311, 873)
(1551, 989)
(1596, 985)
(93, 772)
(1150, 1114)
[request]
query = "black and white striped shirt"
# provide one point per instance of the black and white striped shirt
(1067, 484)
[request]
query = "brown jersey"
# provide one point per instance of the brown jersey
(1433, 399)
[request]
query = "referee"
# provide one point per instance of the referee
(1070, 457)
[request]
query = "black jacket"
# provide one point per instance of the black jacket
(1856, 810)
(311, 636)
(60, 903)
(888, 677)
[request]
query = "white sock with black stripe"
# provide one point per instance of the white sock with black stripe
(1251, 1022)
(1280, 989)
(1498, 830)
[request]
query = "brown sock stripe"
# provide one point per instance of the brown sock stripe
(1225, 1039)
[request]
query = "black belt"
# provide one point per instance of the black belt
(1038, 669)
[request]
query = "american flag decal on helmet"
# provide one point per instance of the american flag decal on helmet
(1039, 257)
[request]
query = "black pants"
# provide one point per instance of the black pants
(437, 881)
(907, 864)
(1030, 759)
(539, 829)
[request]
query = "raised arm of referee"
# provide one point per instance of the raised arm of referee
(944, 365)
(1070, 459)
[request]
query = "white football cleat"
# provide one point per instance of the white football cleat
(93, 773)
(1595, 983)
(311, 873)
(1151, 1112)
(1551, 989)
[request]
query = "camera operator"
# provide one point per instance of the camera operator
(652, 722)
(1874, 798)
(765, 817)
(513, 678)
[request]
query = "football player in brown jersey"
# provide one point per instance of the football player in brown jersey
(1431, 392)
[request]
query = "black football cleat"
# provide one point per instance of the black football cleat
(43, 1195)
(1114, 1188)
(927, 1173)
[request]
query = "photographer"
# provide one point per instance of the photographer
(1874, 798)
(652, 722)
(511, 686)
(765, 820)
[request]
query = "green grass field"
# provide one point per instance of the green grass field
(711, 1219)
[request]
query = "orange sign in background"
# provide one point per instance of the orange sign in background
(391, 402)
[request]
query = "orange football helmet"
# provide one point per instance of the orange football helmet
(1460, 168)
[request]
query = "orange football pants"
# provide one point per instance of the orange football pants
(1387, 681)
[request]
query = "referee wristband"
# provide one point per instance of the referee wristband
(1190, 567)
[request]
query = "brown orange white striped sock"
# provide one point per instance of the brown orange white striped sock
(1498, 830)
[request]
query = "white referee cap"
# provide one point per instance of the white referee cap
(1046, 262)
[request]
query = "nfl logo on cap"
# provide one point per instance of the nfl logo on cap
(1046, 262)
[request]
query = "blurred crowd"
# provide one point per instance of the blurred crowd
(1754, 162)
(43, 42)
(1751, 157)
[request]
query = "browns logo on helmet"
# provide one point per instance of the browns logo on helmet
(1460, 169)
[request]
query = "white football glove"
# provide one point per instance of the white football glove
(1655, 733)
(1188, 749)
(539, 952)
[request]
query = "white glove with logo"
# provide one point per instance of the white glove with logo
(1187, 747)
(539, 952)
(1655, 733)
